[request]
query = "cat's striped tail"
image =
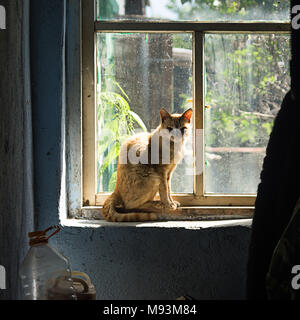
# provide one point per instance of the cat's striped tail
(110, 213)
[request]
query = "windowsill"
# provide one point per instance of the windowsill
(192, 225)
(91, 219)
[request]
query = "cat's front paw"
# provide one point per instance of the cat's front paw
(170, 205)
(176, 203)
(173, 205)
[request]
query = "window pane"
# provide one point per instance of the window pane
(247, 77)
(137, 75)
(193, 10)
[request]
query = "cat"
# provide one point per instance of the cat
(145, 166)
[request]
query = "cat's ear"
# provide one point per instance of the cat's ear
(164, 114)
(187, 114)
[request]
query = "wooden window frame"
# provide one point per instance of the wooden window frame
(223, 204)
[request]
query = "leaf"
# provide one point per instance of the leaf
(138, 120)
(184, 1)
(103, 146)
(110, 157)
(268, 126)
(112, 182)
(121, 89)
(122, 104)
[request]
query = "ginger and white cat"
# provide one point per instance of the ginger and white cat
(145, 167)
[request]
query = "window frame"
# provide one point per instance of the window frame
(198, 201)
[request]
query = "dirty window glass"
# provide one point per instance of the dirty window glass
(246, 78)
(193, 10)
(137, 75)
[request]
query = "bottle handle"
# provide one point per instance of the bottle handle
(58, 228)
(83, 282)
(40, 236)
(83, 275)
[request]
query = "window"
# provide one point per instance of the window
(232, 69)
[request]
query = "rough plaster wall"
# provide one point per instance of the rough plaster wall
(123, 263)
(16, 203)
(148, 263)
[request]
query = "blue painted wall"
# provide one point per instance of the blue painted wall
(123, 263)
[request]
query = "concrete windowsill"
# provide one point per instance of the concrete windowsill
(193, 225)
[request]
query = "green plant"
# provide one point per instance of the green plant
(232, 9)
(116, 122)
(245, 84)
(246, 75)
